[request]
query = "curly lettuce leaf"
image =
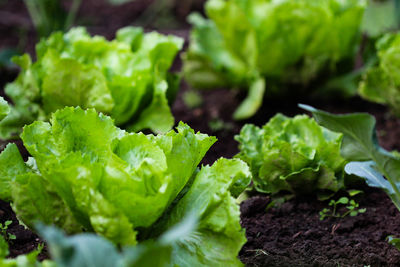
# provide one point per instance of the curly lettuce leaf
(12, 165)
(293, 154)
(275, 41)
(96, 176)
(211, 198)
(126, 78)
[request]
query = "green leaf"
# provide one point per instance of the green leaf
(35, 199)
(83, 86)
(157, 116)
(11, 165)
(219, 236)
(368, 171)
(343, 200)
(4, 108)
(252, 102)
(353, 192)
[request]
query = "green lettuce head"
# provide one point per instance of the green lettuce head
(85, 174)
(294, 155)
(381, 83)
(126, 78)
(254, 44)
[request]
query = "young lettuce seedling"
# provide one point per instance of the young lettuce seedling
(352, 208)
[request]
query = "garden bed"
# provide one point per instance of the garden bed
(290, 234)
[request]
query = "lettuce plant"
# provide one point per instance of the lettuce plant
(258, 44)
(126, 78)
(86, 174)
(294, 155)
(381, 83)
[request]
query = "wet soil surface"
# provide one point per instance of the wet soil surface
(287, 235)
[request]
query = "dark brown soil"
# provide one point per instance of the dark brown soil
(293, 235)
(289, 235)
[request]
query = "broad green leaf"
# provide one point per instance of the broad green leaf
(358, 129)
(367, 170)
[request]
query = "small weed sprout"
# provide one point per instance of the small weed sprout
(351, 206)
(3, 231)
